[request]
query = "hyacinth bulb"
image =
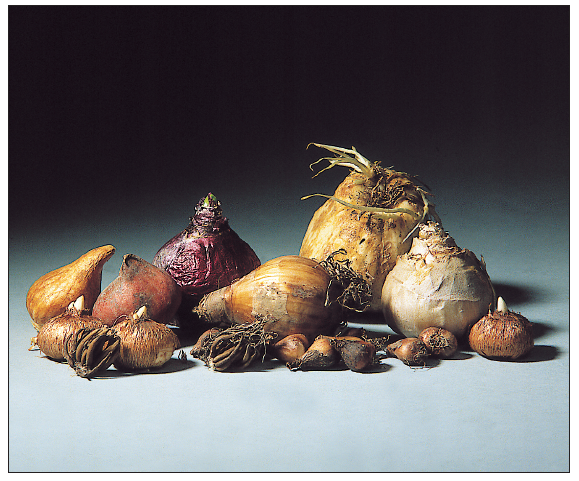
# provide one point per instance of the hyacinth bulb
(207, 255)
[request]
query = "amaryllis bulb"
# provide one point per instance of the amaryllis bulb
(437, 284)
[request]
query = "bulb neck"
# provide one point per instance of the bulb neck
(213, 308)
(208, 217)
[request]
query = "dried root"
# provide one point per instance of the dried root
(89, 351)
(233, 348)
(201, 348)
(380, 343)
(356, 293)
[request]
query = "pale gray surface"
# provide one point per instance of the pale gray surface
(465, 414)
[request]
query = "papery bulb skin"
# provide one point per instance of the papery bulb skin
(436, 284)
(139, 283)
(145, 343)
(207, 255)
(52, 337)
(290, 292)
(50, 295)
(290, 348)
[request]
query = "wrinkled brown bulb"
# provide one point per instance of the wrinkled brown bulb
(357, 354)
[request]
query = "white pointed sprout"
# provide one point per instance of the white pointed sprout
(141, 313)
(77, 305)
(502, 306)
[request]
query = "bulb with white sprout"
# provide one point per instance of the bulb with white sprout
(502, 335)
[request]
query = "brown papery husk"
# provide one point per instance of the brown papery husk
(502, 336)
(52, 337)
(321, 355)
(290, 293)
(356, 353)
(436, 284)
(145, 344)
(290, 348)
(371, 242)
(439, 342)
(410, 350)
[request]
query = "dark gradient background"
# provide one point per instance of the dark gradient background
(121, 118)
